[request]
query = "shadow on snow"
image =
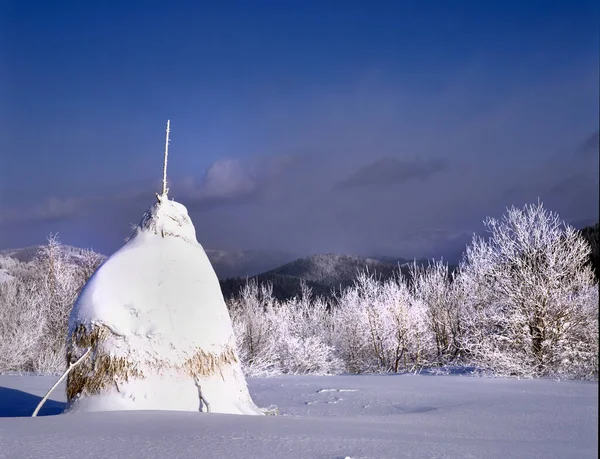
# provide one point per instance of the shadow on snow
(16, 403)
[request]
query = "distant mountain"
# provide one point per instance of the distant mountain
(322, 273)
(331, 269)
(27, 254)
(592, 235)
(243, 263)
(396, 261)
(24, 255)
(583, 224)
(226, 263)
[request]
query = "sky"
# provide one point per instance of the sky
(373, 128)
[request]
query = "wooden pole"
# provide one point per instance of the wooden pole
(165, 190)
(71, 366)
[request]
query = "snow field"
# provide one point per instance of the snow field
(368, 416)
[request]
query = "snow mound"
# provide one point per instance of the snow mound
(169, 218)
(158, 326)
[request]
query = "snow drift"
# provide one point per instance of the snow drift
(158, 326)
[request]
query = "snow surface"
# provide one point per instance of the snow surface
(380, 416)
(161, 300)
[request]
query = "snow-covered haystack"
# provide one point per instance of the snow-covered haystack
(156, 326)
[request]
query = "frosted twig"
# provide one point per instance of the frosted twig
(71, 366)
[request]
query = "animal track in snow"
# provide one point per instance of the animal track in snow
(336, 390)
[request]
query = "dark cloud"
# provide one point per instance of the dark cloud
(51, 210)
(63, 209)
(573, 189)
(390, 171)
(258, 195)
(566, 183)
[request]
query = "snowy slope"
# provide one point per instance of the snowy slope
(401, 416)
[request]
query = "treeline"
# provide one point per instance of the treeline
(523, 302)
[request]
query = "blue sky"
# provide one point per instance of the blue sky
(274, 105)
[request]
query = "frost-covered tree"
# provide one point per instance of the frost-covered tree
(255, 334)
(88, 262)
(22, 327)
(433, 287)
(274, 337)
(59, 282)
(35, 301)
(379, 327)
(531, 298)
(304, 327)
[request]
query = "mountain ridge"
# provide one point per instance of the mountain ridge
(323, 273)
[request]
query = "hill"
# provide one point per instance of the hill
(28, 254)
(242, 263)
(323, 273)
